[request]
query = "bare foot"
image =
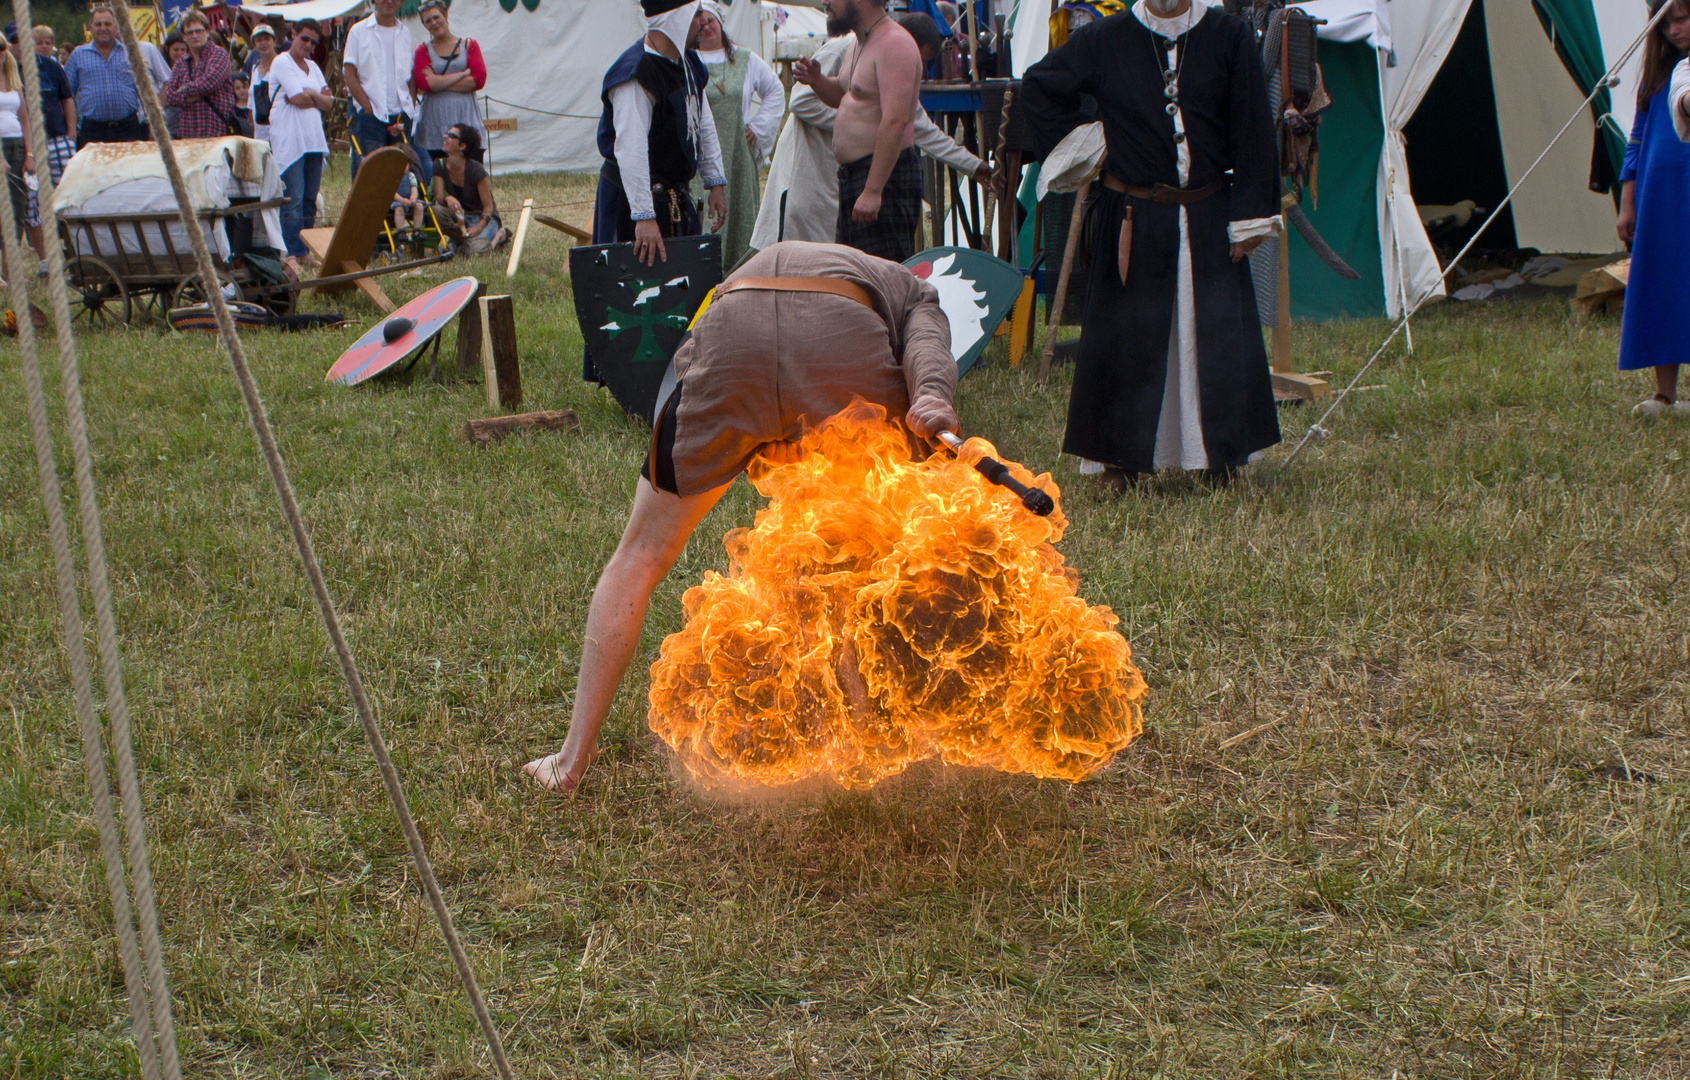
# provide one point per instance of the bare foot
(557, 773)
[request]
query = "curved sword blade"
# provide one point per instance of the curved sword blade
(1305, 228)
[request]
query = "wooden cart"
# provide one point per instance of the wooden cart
(120, 265)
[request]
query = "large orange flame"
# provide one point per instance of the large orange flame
(883, 611)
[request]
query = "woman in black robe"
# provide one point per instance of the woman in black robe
(1171, 370)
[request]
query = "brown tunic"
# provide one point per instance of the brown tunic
(762, 366)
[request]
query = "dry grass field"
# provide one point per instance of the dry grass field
(1413, 799)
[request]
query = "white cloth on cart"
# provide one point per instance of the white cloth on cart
(107, 179)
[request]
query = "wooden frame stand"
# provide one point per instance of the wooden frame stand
(1288, 384)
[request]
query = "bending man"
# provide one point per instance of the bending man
(790, 339)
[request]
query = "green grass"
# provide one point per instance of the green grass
(1454, 613)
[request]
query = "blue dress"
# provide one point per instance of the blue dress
(1652, 326)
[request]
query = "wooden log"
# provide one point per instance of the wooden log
(499, 362)
(1602, 289)
(1291, 384)
(1061, 296)
(469, 333)
(564, 227)
(487, 431)
(520, 238)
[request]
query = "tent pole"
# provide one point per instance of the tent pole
(1391, 200)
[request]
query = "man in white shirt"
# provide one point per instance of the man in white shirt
(377, 70)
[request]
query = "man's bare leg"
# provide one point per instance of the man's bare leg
(658, 528)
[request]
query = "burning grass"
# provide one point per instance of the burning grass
(1388, 814)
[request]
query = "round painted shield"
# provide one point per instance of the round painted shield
(372, 354)
(976, 291)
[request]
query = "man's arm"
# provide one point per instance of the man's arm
(1254, 153)
(349, 70)
(930, 374)
(806, 104)
(355, 88)
(935, 143)
(710, 169)
(631, 106)
(897, 72)
(828, 89)
(69, 106)
(1051, 90)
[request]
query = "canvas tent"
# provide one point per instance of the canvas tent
(546, 63)
(1439, 100)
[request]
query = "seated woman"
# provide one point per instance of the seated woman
(462, 187)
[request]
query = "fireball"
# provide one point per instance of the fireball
(883, 611)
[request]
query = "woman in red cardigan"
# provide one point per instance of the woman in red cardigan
(448, 71)
(201, 84)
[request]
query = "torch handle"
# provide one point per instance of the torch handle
(996, 472)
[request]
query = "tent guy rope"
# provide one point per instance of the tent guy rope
(1611, 78)
(259, 420)
(144, 978)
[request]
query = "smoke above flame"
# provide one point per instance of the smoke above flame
(883, 611)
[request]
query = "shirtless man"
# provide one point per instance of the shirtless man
(874, 133)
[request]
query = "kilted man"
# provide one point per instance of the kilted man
(874, 131)
(789, 339)
(1171, 370)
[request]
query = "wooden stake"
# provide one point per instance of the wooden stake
(520, 238)
(469, 333)
(567, 229)
(499, 363)
(1282, 325)
(974, 53)
(492, 429)
(1061, 297)
(1287, 382)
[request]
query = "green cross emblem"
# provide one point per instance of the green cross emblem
(645, 318)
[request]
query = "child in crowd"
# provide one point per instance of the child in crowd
(243, 91)
(408, 202)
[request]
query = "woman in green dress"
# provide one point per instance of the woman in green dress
(748, 101)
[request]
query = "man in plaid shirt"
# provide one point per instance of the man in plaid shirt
(106, 102)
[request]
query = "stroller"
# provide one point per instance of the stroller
(410, 241)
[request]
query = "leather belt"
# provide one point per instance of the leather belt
(850, 290)
(1163, 193)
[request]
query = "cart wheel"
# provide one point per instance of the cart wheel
(101, 299)
(190, 291)
(276, 301)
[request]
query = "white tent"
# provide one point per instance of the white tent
(545, 67)
(1409, 41)
(545, 70)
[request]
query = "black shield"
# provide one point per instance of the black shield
(633, 316)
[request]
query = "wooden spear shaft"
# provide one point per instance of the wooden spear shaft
(1061, 297)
